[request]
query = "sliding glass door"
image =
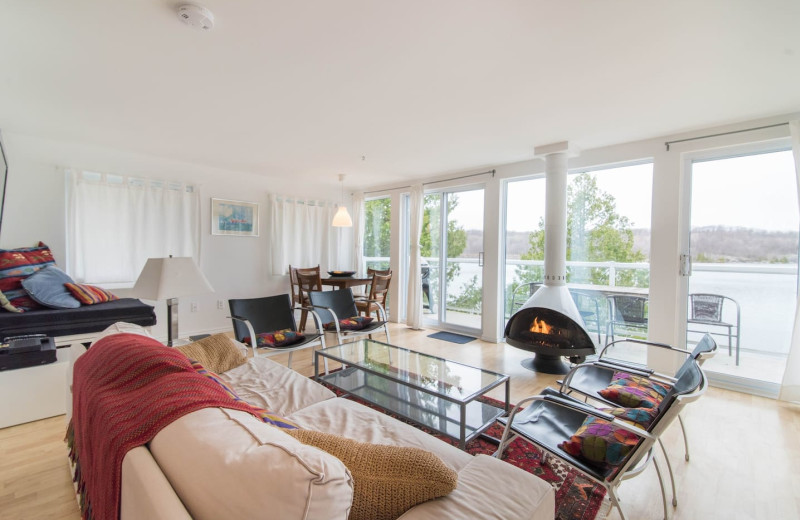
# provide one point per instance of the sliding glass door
(452, 259)
(743, 245)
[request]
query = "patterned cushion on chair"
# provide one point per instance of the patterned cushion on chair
(599, 442)
(354, 323)
(634, 392)
(279, 338)
(632, 396)
(624, 378)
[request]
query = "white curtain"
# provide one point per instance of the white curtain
(115, 223)
(790, 388)
(302, 235)
(414, 309)
(358, 232)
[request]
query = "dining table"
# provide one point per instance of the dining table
(343, 282)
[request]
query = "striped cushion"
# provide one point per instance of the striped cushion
(18, 264)
(89, 294)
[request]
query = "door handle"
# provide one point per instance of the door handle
(480, 259)
(686, 265)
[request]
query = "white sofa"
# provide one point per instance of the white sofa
(217, 463)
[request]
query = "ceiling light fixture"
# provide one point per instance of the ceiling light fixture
(196, 16)
(342, 217)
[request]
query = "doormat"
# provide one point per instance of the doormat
(452, 337)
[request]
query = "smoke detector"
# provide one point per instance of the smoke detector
(196, 16)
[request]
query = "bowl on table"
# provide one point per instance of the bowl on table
(341, 274)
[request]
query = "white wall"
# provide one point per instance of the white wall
(236, 267)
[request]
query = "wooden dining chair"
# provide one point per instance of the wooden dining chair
(370, 271)
(377, 293)
(307, 280)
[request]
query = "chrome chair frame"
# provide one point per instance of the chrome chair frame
(640, 456)
(278, 322)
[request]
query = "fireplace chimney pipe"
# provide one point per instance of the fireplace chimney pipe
(555, 220)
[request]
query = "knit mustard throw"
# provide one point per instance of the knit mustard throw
(387, 480)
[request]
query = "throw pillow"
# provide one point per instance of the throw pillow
(354, 323)
(631, 396)
(624, 378)
(46, 287)
(217, 353)
(279, 338)
(5, 304)
(89, 294)
(599, 442)
(18, 264)
(388, 480)
(634, 391)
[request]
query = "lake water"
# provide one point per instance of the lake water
(767, 302)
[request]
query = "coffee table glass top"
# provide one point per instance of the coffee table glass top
(449, 379)
(437, 393)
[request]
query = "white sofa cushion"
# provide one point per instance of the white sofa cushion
(491, 489)
(228, 464)
(273, 387)
(354, 421)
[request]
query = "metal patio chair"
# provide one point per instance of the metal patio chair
(706, 309)
(627, 312)
(589, 308)
(522, 294)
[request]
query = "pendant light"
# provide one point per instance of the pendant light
(342, 217)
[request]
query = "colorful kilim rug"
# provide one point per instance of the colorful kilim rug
(577, 496)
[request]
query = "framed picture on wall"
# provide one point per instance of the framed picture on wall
(234, 217)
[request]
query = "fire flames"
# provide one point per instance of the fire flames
(541, 327)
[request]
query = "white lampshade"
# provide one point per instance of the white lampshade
(165, 278)
(342, 218)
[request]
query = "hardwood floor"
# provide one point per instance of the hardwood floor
(745, 450)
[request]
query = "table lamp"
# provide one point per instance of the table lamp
(168, 279)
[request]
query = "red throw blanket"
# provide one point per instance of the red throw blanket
(127, 388)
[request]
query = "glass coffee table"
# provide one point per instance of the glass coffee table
(431, 391)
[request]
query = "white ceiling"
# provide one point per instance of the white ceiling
(422, 88)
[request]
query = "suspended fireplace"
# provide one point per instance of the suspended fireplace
(549, 323)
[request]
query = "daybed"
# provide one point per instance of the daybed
(82, 320)
(218, 463)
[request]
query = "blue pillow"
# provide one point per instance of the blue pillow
(46, 287)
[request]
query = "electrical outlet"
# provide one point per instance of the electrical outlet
(220, 304)
(194, 307)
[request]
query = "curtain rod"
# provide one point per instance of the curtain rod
(434, 182)
(668, 143)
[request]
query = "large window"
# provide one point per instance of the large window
(377, 232)
(608, 240)
(743, 243)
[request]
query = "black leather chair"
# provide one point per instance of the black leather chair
(597, 375)
(553, 417)
(253, 316)
(333, 306)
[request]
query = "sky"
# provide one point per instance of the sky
(756, 191)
